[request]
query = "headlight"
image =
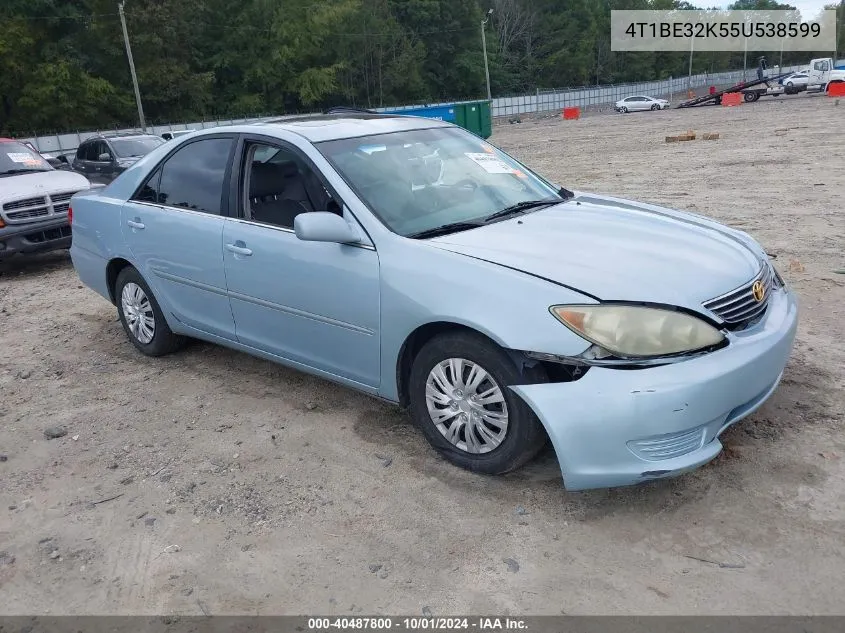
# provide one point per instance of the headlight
(638, 332)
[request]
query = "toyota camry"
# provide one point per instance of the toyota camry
(409, 259)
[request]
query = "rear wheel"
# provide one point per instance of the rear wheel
(141, 315)
(751, 97)
(460, 399)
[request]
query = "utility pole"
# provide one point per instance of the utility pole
(745, 60)
(689, 77)
(484, 48)
(132, 68)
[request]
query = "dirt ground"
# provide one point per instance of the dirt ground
(213, 482)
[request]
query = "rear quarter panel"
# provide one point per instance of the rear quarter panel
(97, 237)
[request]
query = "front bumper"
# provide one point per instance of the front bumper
(35, 237)
(621, 427)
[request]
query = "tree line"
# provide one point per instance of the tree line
(63, 65)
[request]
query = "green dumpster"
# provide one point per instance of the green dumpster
(475, 116)
(471, 115)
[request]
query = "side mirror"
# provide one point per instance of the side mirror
(322, 226)
(104, 157)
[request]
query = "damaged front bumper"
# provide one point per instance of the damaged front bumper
(616, 427)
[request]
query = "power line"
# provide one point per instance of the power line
(35, 18)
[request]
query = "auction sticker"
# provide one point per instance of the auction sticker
(490, 164)
(22, 157)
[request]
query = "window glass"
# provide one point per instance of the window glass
(421, 179)
(280, 185)
(125, 147)
(17, 158)
(149, 191)
(193, 177)
(89, 151)
(101, 147)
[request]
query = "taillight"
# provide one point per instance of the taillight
(70, 214)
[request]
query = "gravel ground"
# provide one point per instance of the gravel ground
(213, 482)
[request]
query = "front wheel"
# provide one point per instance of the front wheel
(141, 316)
(460, 399)
(624, 110)
(655, 107)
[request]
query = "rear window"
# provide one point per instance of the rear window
(17, 158)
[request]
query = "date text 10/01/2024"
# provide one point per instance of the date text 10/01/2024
(417, 624)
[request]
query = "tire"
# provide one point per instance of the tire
(789, 84)
(655, 107)
(163, 340)
(751, 97)
(514, 443)
(624, 109)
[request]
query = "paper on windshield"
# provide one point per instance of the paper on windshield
(490, 164)
(22, 157)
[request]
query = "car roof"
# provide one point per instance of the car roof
(329, 127)
(114, 135)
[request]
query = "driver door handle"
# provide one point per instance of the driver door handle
(237, 249)
(136, 225)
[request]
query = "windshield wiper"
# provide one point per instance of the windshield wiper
(445, 229)
(10, 172)
(521, 207)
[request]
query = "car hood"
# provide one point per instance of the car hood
(41, 183)
(619, 250)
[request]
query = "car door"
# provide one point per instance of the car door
(313, 303)
(80, 161)
(98, 171)
(818, 73)
(173, 226)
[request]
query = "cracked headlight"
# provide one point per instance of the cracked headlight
(638, 332)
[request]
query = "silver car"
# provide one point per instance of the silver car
(641, 102)
(411, 260)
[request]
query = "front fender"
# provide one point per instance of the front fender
(421, 284)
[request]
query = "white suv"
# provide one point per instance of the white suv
(34, 199)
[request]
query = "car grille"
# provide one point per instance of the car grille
(668, 446)
(22, 211)
(62, 197)
(19, 204)
(48, 235)
(739, 308)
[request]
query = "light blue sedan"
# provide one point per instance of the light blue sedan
(411, 260)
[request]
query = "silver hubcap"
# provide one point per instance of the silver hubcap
(466, 405)
(138, 312)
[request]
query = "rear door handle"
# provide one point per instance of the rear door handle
(237, 249)
(135, 224)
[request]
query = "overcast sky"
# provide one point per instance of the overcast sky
(808, 8)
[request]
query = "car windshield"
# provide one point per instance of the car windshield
(125, 147)
(17, 158)
(418, 180)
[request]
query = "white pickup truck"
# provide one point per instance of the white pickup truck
(34, 201)
(822, 74)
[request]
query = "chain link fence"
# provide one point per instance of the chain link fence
(541, 101)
